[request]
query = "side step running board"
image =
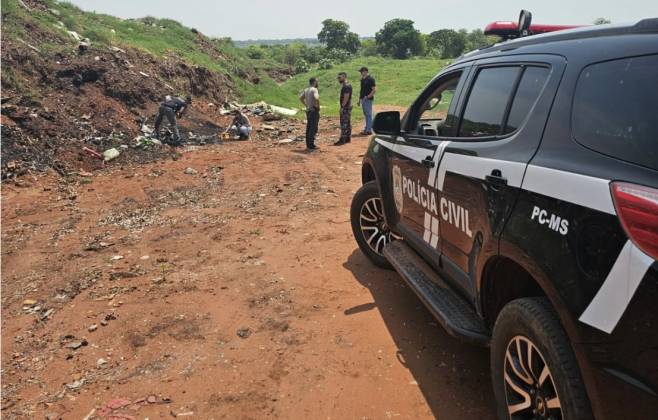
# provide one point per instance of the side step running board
(454, 313)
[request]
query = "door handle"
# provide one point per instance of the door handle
(428, 162)
(496, 178)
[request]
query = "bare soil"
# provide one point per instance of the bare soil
(234, 292)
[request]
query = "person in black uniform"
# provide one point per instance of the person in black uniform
(171, 108)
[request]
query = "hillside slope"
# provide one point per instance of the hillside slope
(57, 98)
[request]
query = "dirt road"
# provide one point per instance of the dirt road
(233, 289)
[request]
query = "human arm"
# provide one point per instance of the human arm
(301, 98)
(372, 92)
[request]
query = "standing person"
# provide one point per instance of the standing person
(310, 97)
(366, 98)
(241, 126)
(345, 101)
(171, 108)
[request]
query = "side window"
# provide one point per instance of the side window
(487, 102)
(432, 117)
(532, 82)
(615, 109)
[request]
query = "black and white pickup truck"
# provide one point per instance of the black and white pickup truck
(518, 198)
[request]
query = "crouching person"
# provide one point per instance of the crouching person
(170, 109)
(240, 126)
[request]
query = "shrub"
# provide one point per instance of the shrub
(301, 66)
(325, 64)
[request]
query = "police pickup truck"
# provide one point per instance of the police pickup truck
(518, 198)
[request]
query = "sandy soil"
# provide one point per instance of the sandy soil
(233, 291)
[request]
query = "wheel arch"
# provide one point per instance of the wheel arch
(533, 283)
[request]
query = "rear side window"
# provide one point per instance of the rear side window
(487, 102)
(532, 82)
(615, 109)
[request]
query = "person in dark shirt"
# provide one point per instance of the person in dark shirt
(345, 102)
(366, 98)
(171, 108)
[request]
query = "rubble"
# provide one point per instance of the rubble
(110, 154)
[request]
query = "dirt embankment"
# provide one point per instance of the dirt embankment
(57, 99)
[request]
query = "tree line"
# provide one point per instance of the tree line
(397, 39)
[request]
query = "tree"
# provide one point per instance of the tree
(398, 38)
(368, 48)
(447, 43)
(601, 21)
(336, 35)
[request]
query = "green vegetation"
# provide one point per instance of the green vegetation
(398, 83)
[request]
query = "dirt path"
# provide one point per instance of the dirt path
(233, 292)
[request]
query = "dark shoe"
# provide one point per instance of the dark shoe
(363, 133)
(339, 143)
(312, 148)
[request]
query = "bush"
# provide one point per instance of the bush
(325, 64)
(301, 66)
(255, 52)
(338, 55)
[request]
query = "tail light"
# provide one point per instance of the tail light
(637, 208)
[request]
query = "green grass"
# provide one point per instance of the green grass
(398, 83)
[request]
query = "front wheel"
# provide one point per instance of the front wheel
(533, 368)
(369, 225)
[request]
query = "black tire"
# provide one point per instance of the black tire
(531, 323)
(366, 194)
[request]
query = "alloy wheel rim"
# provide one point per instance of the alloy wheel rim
(530, 390)
(373, 226)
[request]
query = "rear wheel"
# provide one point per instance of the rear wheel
(534, 371)
(369, 225)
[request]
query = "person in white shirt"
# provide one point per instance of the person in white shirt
(310, 97)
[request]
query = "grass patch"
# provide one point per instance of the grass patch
(398, 83)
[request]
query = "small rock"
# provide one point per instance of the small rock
(74, 345)
(110, 154)
(244, 332)
(29, 302)
(92, 328)
(117, 257)
(103, 323)
(191, 171)
(152, 399)
(144, 257)
(158, 280)
(101, 363)
(76, 384)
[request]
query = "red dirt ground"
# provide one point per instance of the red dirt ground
(258, 241)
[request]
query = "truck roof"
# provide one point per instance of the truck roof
(560, 41)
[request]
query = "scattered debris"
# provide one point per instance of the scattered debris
(92, 327)
(244, 332)
(191, 171)
(110, 154)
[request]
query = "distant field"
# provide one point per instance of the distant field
(398, 83)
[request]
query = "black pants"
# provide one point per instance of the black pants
(165, 111)
(312, 121)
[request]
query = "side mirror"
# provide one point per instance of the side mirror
(525, 17)
(387, 123)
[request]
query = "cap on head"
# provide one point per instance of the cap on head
(342, 73)
(362, 69)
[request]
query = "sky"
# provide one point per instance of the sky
(277, 19)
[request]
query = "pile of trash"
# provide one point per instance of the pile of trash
(262, 109)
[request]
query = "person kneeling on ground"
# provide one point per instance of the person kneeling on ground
(172, 108)
(240, 125)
